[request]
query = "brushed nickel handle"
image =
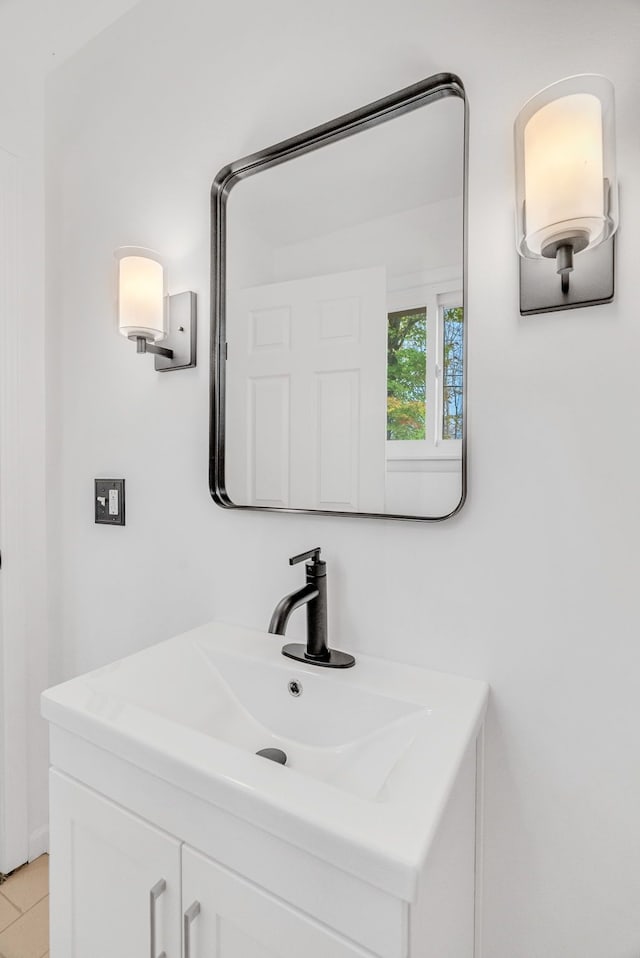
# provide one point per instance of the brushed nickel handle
(154, 894)
(190, 915)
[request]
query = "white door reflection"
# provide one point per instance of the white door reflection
(304, 363)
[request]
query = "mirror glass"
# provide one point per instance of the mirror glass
(340, 321)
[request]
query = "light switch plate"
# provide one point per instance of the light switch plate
(109, 501)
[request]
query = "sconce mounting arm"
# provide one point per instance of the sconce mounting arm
(144, 346)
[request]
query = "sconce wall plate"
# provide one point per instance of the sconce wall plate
(181, 336)
(592, 281)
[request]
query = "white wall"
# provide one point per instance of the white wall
(422, 488)
(534, 585)
(428, 237)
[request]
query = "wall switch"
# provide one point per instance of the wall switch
(109, 501)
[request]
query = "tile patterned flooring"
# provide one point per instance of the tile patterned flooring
(24, 911)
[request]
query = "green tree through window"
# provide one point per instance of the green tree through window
(407, 374)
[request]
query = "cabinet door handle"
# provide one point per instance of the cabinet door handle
(190, 915)
(154, 894)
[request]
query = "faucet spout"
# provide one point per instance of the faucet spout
(289, 604)
(314, 595)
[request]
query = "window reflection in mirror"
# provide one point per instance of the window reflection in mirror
(409, 389)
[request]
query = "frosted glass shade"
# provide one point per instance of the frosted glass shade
(141, 302)
(566, 186)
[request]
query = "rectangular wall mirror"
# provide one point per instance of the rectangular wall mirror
(338, 314)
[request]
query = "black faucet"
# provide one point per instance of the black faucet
(314, 594)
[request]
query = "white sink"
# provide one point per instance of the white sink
(372, 751)
(333, 731)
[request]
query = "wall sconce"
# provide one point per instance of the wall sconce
(566, 195)
(148, 316)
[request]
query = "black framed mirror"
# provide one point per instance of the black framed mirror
(339, 321)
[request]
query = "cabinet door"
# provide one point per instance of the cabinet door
(104, 864)
(236, 919)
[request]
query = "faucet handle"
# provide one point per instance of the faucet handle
(313, 554)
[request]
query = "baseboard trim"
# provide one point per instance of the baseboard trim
(38, 842)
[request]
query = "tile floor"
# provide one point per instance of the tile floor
(24, 911)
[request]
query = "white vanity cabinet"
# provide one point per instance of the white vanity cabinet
(104, 864)
(121, 887)
(241, 893)
(233, 918)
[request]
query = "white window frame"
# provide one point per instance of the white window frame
(436, 291)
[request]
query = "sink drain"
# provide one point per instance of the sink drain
(295, 688)
(275, 754)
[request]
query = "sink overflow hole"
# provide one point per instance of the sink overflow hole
(295, 688)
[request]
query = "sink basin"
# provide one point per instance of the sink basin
(372, 752)
(334, 732)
